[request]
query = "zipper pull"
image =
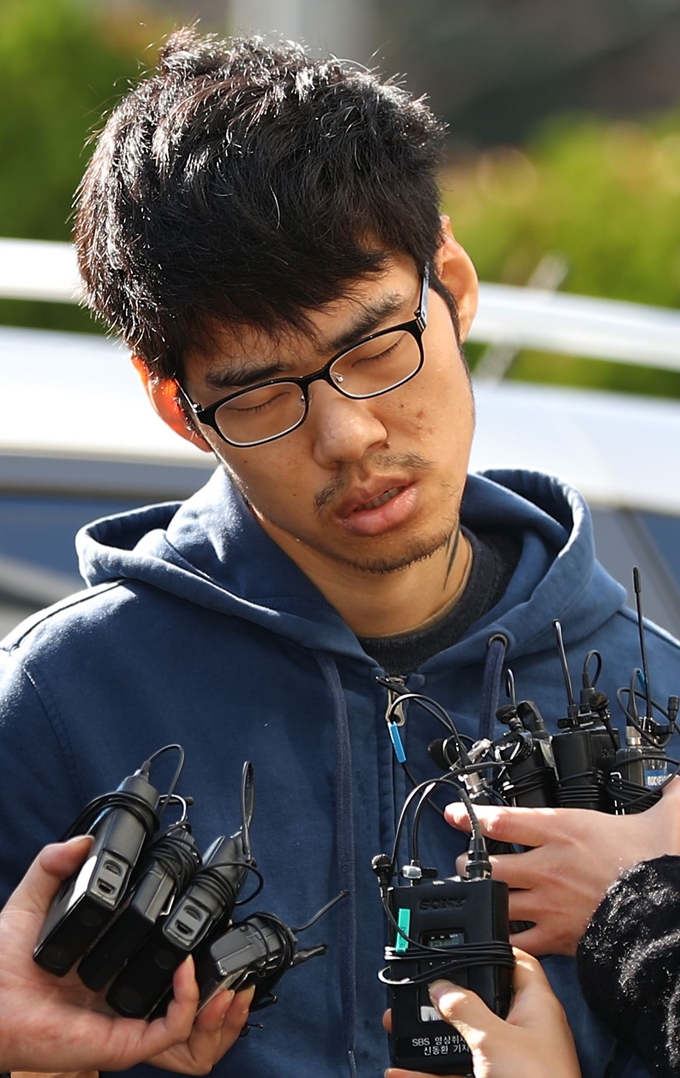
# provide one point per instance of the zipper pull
(395, 716)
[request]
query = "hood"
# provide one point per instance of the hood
(211, 551)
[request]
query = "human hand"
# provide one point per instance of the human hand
(49, 1023)
(575, 855)
(216, 1028)
(534, 1040)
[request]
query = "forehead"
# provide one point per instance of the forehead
(366, 304)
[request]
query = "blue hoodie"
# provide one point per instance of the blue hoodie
(196, 628)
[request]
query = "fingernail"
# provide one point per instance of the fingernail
(438, 989)
(227, 997)
(245, 998)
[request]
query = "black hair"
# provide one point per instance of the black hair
(247, 184)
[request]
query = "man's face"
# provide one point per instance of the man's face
(373, 485)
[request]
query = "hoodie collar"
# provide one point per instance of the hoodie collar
(212, 551)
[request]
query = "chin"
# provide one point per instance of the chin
(396, 561)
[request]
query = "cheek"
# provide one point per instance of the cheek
(276, 480)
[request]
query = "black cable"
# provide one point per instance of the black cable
(101, 805)
(571, 794)
(286, 938)
(629, 793)
(412, 779)
(632, 714)
(415, 826)
(247, 806)
(178, 857)
(466, 956)
(320, 913)
(427, 704)
(146, 767)
(539, 778)
(444, 780)
(588, 681)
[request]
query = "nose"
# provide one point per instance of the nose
(342, 430)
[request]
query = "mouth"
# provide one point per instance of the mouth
(375, 503)
(390, 508)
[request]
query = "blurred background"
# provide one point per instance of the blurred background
(561, 172)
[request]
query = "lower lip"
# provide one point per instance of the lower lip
(392, 514)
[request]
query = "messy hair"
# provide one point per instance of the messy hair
(247, 184)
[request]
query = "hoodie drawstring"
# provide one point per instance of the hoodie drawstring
(496, 646)
(344, 839)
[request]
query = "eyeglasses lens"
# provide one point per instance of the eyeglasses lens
(373, 367)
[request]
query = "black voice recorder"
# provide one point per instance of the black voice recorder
(447, 929)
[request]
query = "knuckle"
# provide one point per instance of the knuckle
(497, 822)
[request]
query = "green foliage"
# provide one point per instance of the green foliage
(61, 67)
(606, 197)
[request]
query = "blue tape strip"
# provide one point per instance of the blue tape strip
(397, 743)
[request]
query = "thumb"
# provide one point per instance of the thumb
(52, 865)
(464, 1010)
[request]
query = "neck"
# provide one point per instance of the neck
(376, 604)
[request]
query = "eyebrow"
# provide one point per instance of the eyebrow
(369, 319)
(241, 372)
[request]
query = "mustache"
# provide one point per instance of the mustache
(380, 462)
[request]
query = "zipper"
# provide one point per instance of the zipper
(395, 719)
(395, 716)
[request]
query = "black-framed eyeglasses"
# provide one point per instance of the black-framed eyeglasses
(375, 365)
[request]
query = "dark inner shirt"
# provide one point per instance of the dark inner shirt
(494, 559)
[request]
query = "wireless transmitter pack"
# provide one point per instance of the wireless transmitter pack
(121, 823)
(256, 952)
(205, 907)
(139, 905)
(163, 872)
(454, 928)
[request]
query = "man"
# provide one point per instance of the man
(263, 232)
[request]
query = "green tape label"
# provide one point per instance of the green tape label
(404, 922)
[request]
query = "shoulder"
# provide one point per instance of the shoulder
(47, 619)
(657, 639)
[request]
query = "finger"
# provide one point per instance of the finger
(387, 1021)
(203, 1047)
(672, 788)
(237, 1015)
(532, 905)
(396, 1072)
(528, 974)
(181, 1013)
(464, 1010)
(535, 941)
(134, 1041)
(52, 865)
(521, 871)
(526, 827)
(534, 1003)
(215, 1031)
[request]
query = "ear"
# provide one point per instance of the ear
(456, 271)
(162, 392)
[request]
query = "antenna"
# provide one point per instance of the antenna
(510, 688)
(565, 667)
(643, 650)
